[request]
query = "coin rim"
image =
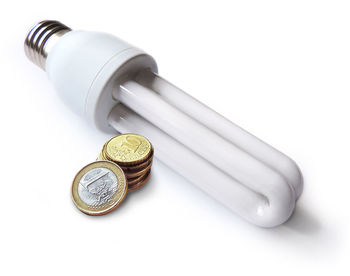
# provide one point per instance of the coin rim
(112, 204)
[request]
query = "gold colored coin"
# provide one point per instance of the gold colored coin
(127, 149)
(135, 180)
(141, 183)
(99, 188)
(139, 167)
(134, 174)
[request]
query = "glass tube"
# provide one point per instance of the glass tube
(269, 208)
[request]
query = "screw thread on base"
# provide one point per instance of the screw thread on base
(41, 38)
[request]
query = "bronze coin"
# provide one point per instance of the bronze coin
(136, 180)
(137, 167)
(139, 185)
(135, 174)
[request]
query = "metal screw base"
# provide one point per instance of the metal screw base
(41, 39)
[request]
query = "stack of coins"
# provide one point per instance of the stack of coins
(134, 154)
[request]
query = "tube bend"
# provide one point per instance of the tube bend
(247, 142)
(278, 206)
(268, 208)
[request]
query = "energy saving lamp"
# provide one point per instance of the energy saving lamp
(115, 86)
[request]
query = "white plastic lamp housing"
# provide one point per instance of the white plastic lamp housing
(116, 87)
(85, 67)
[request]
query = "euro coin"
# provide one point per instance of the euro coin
(140, 184)
(135, 180)
(99, 188)
(127, 149)
(133, 153)
(141, 166)
(134, 174)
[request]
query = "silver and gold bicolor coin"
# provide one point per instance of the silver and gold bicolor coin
(99, 188)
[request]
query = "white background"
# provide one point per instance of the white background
(279, 69)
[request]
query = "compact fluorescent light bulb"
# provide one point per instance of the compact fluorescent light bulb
(116, 87)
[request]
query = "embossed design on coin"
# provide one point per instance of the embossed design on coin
(97, 186)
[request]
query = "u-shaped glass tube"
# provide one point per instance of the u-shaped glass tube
(207, 157)
(225, 128)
